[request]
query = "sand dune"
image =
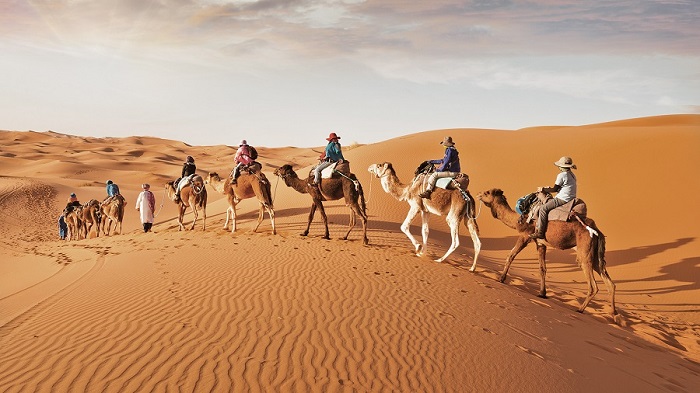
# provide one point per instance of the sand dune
(215, 311)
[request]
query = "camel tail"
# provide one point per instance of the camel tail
(601, 253)
(267, 191)
(363, 204)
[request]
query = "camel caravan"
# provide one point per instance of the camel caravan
(82, 220)
(438, 188)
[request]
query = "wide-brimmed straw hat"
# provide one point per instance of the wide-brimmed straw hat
(145, 186)
(447, 141)
(332, 136)
(565, 162)
(243, 142)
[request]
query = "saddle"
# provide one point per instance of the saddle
(329, 172)
(459, 182)
(565, 212)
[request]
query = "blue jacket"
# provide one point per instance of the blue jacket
(333, 151)
(449, 163)
(112, 189)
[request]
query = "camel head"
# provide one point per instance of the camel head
(212, 176)
(284, 171)
(381, 170)
(490, 196)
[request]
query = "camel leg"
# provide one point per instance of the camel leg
(471, 224)
(406, 229)
(325, 220)
(453, 223)
(425, 228)
(228, 214)
(311, 217)
(204, 217)
(542, 254)
(234, 219)
(180, 217)
(587, 267)
(261, 215)
(271, 213)
(352, 222)
(363, 217)
(519, 245)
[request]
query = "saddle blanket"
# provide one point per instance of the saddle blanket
(327, 172)
(444, 182)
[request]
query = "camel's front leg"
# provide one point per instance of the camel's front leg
(204, 218)
(311, 217)
(425, 228)
(406, 229)
(542, 254)
(454, 232)
(234, 218)
(180, 217)
(519, 245)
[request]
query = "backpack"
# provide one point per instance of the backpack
(522, 206)
(253, 153)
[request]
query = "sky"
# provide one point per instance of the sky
(289, 72)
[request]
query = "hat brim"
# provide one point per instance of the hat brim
(330, 139)
(448, 144)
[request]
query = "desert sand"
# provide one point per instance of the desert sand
(208, 310)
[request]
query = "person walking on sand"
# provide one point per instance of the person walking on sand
(449, 166)
(332, 154)
(564, 186)
(146, 205)
(62, 227)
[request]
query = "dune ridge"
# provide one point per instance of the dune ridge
(211, 311)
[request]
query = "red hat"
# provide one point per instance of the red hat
(332, 136)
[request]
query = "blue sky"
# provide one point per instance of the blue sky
(289, 72)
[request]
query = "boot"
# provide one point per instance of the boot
(426, 194)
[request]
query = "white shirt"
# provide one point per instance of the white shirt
(567, 181)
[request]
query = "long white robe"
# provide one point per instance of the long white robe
(146, 204)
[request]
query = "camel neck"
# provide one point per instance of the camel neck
(392, 185)
(501, 210)
(296, 183)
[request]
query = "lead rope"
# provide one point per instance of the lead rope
(274, 195)
(162, 201)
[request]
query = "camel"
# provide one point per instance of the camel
(449, 203)
(345, 186)
(192, 195)
(248, 185)
(112, 213)
(563, 235)
(74, 221)
(91, 215)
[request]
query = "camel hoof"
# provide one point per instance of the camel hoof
(365, 242)
(304, 234)
(502, 279)
(439, 260)
(472, 270)
(544, 296)
(326, 237)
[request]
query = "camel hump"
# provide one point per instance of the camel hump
(343, 167)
